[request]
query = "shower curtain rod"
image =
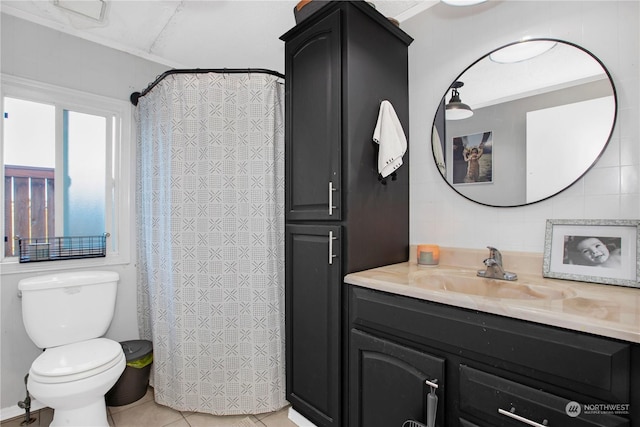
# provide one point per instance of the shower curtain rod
(136, 95)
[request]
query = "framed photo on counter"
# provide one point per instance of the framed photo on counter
(597, 251)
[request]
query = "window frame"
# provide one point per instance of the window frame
(118, 214)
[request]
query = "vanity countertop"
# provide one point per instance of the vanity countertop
(605, 310)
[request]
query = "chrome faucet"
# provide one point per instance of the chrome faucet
(494, 267)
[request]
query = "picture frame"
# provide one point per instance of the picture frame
(596, 251)
(472, 159)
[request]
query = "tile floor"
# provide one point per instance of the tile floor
(147, 413)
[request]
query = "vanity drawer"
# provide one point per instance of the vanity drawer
(540, 352)
(500, 402)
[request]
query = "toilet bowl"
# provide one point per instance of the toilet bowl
(67, 314)
(74, 378)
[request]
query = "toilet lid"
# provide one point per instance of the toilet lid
(78, 360)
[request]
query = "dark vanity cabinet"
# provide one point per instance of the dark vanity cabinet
(340, 64)
(493, 371)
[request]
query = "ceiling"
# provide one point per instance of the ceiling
(190, 33)
(245, 34)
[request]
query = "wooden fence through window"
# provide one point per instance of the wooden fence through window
(29, 204)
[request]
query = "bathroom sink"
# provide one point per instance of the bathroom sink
(466, 283)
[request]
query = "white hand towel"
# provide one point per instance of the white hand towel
(390, 136)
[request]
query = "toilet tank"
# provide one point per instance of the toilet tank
(64, 308)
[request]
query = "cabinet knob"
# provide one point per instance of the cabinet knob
(331, 190)
(512, 414)
(431, 383)
(331, 254)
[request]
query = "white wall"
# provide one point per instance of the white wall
(559, 130)
(38, 53)
(447, 40)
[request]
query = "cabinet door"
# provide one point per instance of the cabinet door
(313, 288)
(387, 383)
(313, 122)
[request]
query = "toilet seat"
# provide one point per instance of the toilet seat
(76, 361)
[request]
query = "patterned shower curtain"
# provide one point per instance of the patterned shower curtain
(210, 205)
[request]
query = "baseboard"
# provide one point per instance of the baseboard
(16, 411)
(299, 420)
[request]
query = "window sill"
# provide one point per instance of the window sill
(12, 266)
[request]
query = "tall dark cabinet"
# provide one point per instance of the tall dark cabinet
(341, 63)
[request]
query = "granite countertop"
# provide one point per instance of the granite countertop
(605, 310)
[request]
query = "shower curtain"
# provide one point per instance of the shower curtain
(210, 209)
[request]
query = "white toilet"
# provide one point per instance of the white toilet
(66, 314)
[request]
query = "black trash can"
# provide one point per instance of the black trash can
(133, 382)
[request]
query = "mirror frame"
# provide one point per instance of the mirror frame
(440, 110)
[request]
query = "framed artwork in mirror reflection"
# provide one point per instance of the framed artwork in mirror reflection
(473, 158)
(597, 251)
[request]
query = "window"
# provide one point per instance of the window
(61, 152)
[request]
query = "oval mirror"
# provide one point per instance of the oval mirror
(524, 122)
